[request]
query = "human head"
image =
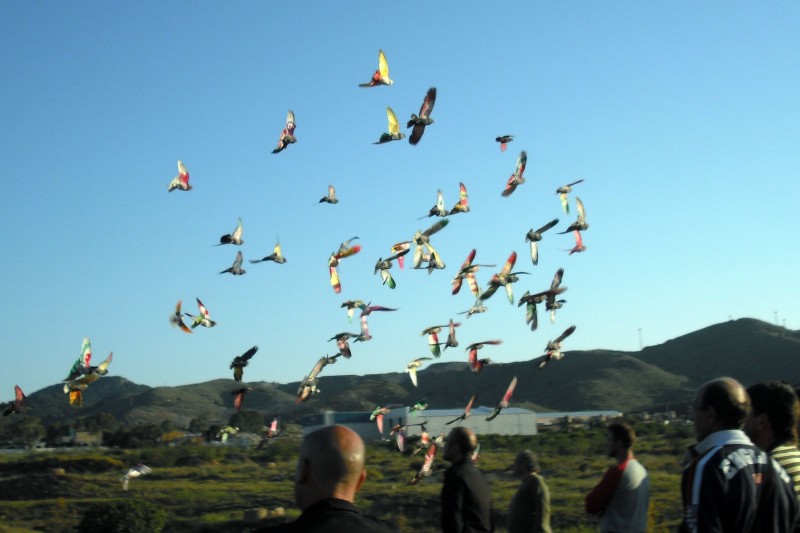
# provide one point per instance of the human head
(460, 443)
(525, 464)
(621, 437)
(774, 414)
(720, 404)
(330, 465)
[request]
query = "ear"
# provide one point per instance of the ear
(361, 479)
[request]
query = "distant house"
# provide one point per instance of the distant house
(87, 438)
(573, 419)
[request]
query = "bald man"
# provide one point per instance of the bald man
(466, 499)
(330, 471)
(730, 485)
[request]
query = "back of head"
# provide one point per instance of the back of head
(779, 402)
(729, 400)
(527, 461)
(623, 433)
(461, 442)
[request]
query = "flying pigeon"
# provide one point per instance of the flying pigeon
(504, 140)
(535, 236)
(412, 367)
(136, 471)
(532, 300)
(377, 416)
(276, 255)
(331, 198)
(516, 178)
(364, 336)
(563, 191)
(381, 76)
(551, 304)
(351, 306)
(233, 238)
(236, 268)
(399, 247)
(18, 405)
(81, 366)
(474, 310)
(430, 262)
(394, 133)
(425, 471)
(579, 224)
(344, 251)
(75, 387)
(309, 384)
(467, 271)
(433, 339)
(504, 278)
(271, 432)
(462, 206)
(415, 409)
(241, 361)
(287, 134)
(344, 348)
(553, 348)
(203, 319)
(504, 402)
(423, 239)
(437, 210)
(451, 335)
(579, 246)
(238, 397)
(383, 266)
(181, 181)
(175, 319)
(466, 411)
(419, 122)
(477, 364)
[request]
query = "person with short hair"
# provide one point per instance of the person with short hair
(772, 425)
(730, 485)
(621, 498)
(529, 511)
(466, 499)
(330, 472)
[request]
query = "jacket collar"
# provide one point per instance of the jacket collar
(722, 438)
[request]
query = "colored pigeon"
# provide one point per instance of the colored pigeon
(415, 409)
(181, 181)
(238, 397)
(394, 133)
(532, 300)
(462, 206)
(535, 236)
(344, 348)
(504, 140)
(451, 335)
(477, 364)
(136, 471)
(176, 319)
(430, 262)
(517, 177)
(203, 319)
(88, 374)
(553, 348)
(287, 134)
(579, 224)
(551, 304)
(412, 367)
(351, 306)
(424, 118)
(466, 411)
(467, 271)
(433, 339)
(563, 191)
(233, 238)
(377, 416)
(423, 239)
(364, 336)
(331, 198)
(276, 255)
(579, 246)
(383, 266)
(426, 465)
(474, 310)
(504, 402)
(81, 366)
(309, 384)
(236, 268)
(271, 432)
(241, 361)
(437, 210)
(18, 405)
(345, 250)
(381, 76)
(504, 278)
(399, 247)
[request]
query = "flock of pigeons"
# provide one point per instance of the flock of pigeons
(425, 257)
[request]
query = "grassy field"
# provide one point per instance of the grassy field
(206, 488)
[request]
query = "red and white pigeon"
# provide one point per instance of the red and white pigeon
(241, 361)
(462, 206)
(425, 471)
(504, 140)
(438, 209)
(535, 236)
(433, 339)
(562, 193)
(394, 133)
(579, 246)
(504, 278)
(400, 247)
(423, 239)
(276, 255)
(365, 312)
(383, 266)
(181, 181)
(504, 402)
(364, 336)
(345, 250)
(424, 118)
(236, 268)
(467, 410)
(344, 348)
(235, 237)
(580, 223)
(553, 348)
(467, 271)
(451, 334)
(331, 197)
(287, 134)
(176, 319)
(477, 364)
(238, 397)
(16, 406)
(377, 416)
(203, 319)
(270, 433)
(381, 76)
(413, 366)
(517, 177)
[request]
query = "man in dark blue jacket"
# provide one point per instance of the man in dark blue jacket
(466, 500)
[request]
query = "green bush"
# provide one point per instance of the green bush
(124, 516)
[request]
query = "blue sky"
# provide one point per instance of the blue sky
(681, 118)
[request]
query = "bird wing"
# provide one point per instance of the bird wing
(464, 199)
(249, 353)
(578, 239)
(509, 264)
(510, 292)
(102, 368)
(509, 392)
(331, 192)
(183, 174)
(436, 227)
(237, 263)
(559, 275)
(534, 252)
(547, 226)
(564, 202)
(470, 258)
(530, 316)
(416, 133)
(277, 250)
(494, 414)
(581, 212)
(379, 422)
(337, 286)
(19, 396)
(427, 103)
(237, 233)
(412, 373)
(394, 127)
(511, 186)
(290, 123)
(383, 66)
(473, 285)
(567, 333)
(469, 405)
(387, 278)
(522, 160)
(86, 351)
(439, 201)
(202, 308)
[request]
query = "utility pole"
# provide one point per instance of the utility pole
(641, 345)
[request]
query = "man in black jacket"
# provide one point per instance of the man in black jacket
(330, 471)
(466, 500)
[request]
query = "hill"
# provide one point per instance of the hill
(658, 378)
